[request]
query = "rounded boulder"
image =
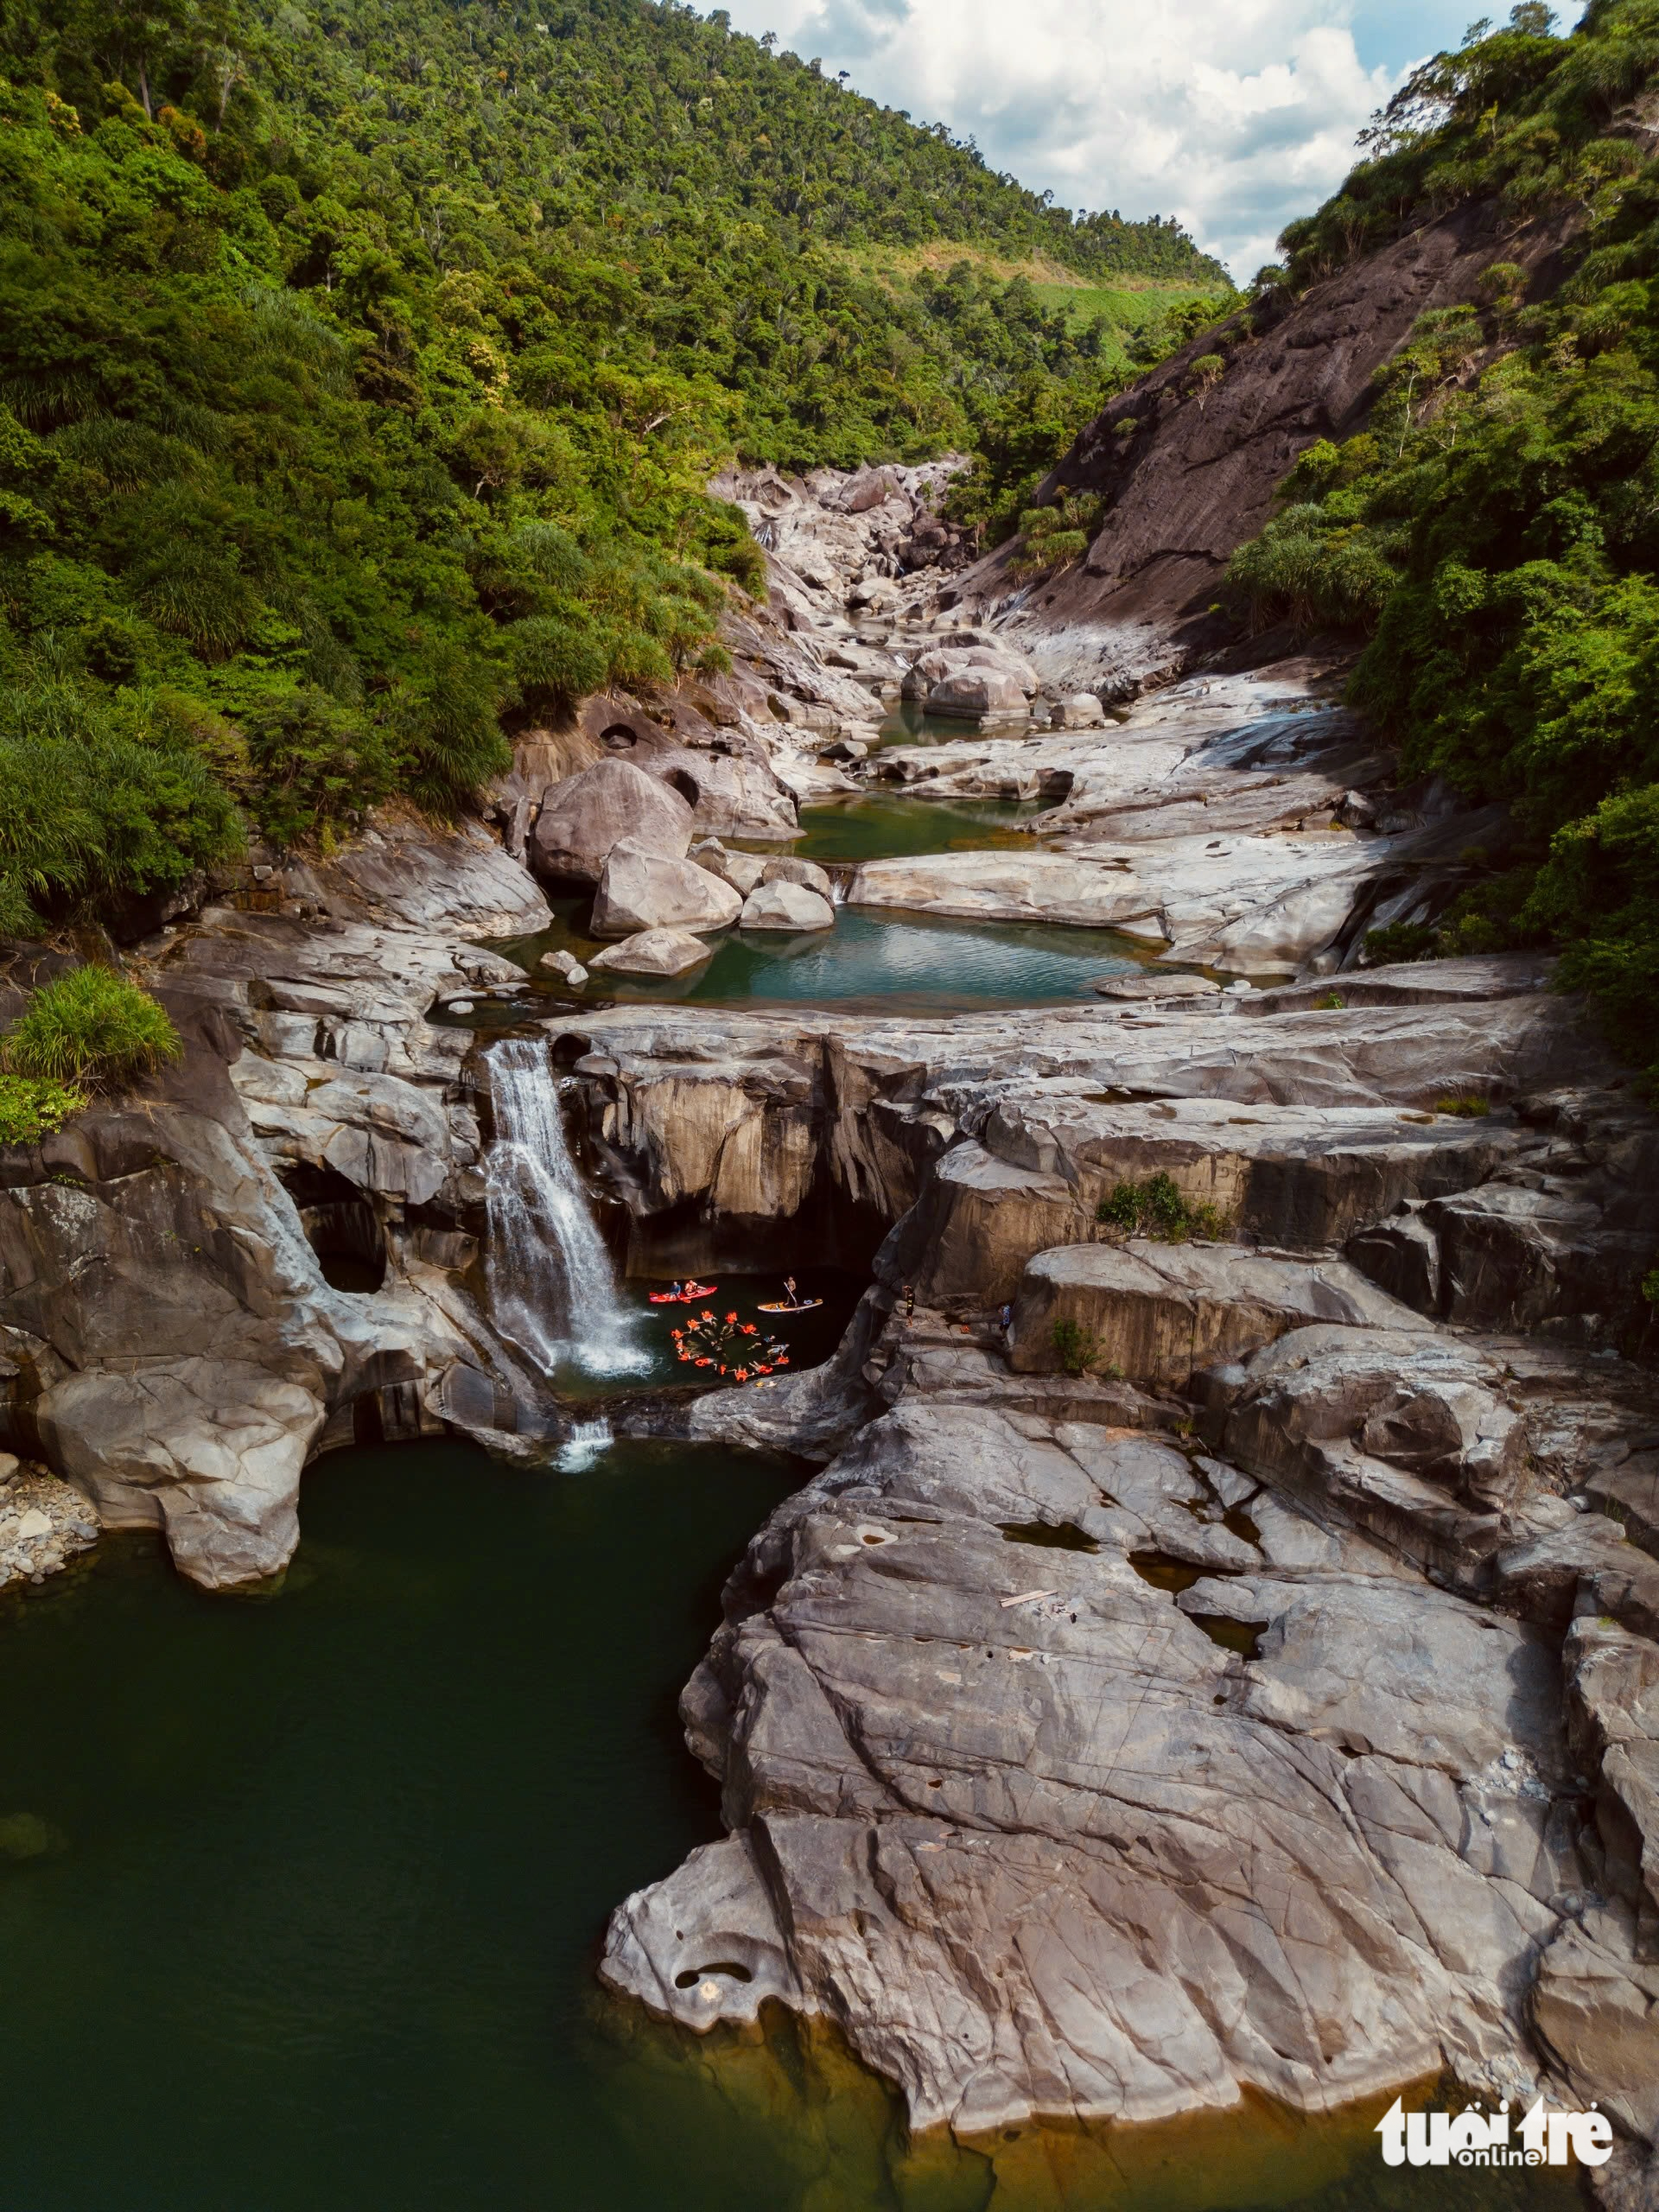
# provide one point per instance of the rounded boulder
(643, 890)
(786, 906)
(584, 818)
(652, 952)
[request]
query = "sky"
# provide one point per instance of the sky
(1233, 115)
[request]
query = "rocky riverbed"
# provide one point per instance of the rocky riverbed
(1203, 1663)
(1236, 1713)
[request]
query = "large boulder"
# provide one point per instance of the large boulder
(868, 488)
(741, 870)
(1157, 1312)
(584, 818)
(785, 907)
(1403, 1433)
(1079, 710)
(645, 890)
(652, 952)
(211, 1449)
(1144, 986)
(807, 873)
(976, 693)
(977, 657)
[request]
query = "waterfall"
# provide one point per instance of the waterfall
(551, 1289)
(588, 1440)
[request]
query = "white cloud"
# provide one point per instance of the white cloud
(1235, 115)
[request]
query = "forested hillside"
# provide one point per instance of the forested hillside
(1495, 530)
(361, 371)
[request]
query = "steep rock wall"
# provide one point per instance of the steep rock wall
(1196, 473)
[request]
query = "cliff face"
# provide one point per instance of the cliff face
(1187, 475)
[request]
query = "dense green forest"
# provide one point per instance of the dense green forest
(361, 372)
(1495, 530)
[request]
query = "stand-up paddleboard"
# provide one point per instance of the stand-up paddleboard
(777, 1306)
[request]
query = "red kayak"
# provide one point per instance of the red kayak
(689, 1297)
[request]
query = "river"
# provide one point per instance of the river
(301, 1895)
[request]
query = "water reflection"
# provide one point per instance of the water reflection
(791, 2085)
(870, 962)
(308, 1913)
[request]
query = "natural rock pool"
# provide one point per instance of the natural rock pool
(300, 1897)
(870, 962)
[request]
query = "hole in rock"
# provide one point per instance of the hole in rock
(1065, 1538)
(686, 785)
(618, 738)
(1164, 1573)
(1243, 1637)
(692, 1975)
(341, 1228)
(569, 1047)
(1239, 1521)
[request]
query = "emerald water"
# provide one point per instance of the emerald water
(874, 959)
(300, 1898)
(316, 1920)
(870, 962)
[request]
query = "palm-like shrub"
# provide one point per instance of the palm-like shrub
(556, 658)
(91, 1029)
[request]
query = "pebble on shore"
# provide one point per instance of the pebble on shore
(44, 1522)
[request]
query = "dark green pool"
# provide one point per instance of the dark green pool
(644, 1359)
(328, 1871)
(314, 1925)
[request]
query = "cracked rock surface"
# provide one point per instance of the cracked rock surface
(1265, 1707)
(169, 1339)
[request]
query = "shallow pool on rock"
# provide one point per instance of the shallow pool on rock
(303, 1912)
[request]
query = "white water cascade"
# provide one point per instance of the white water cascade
(552, 1291)
(588, 1440)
